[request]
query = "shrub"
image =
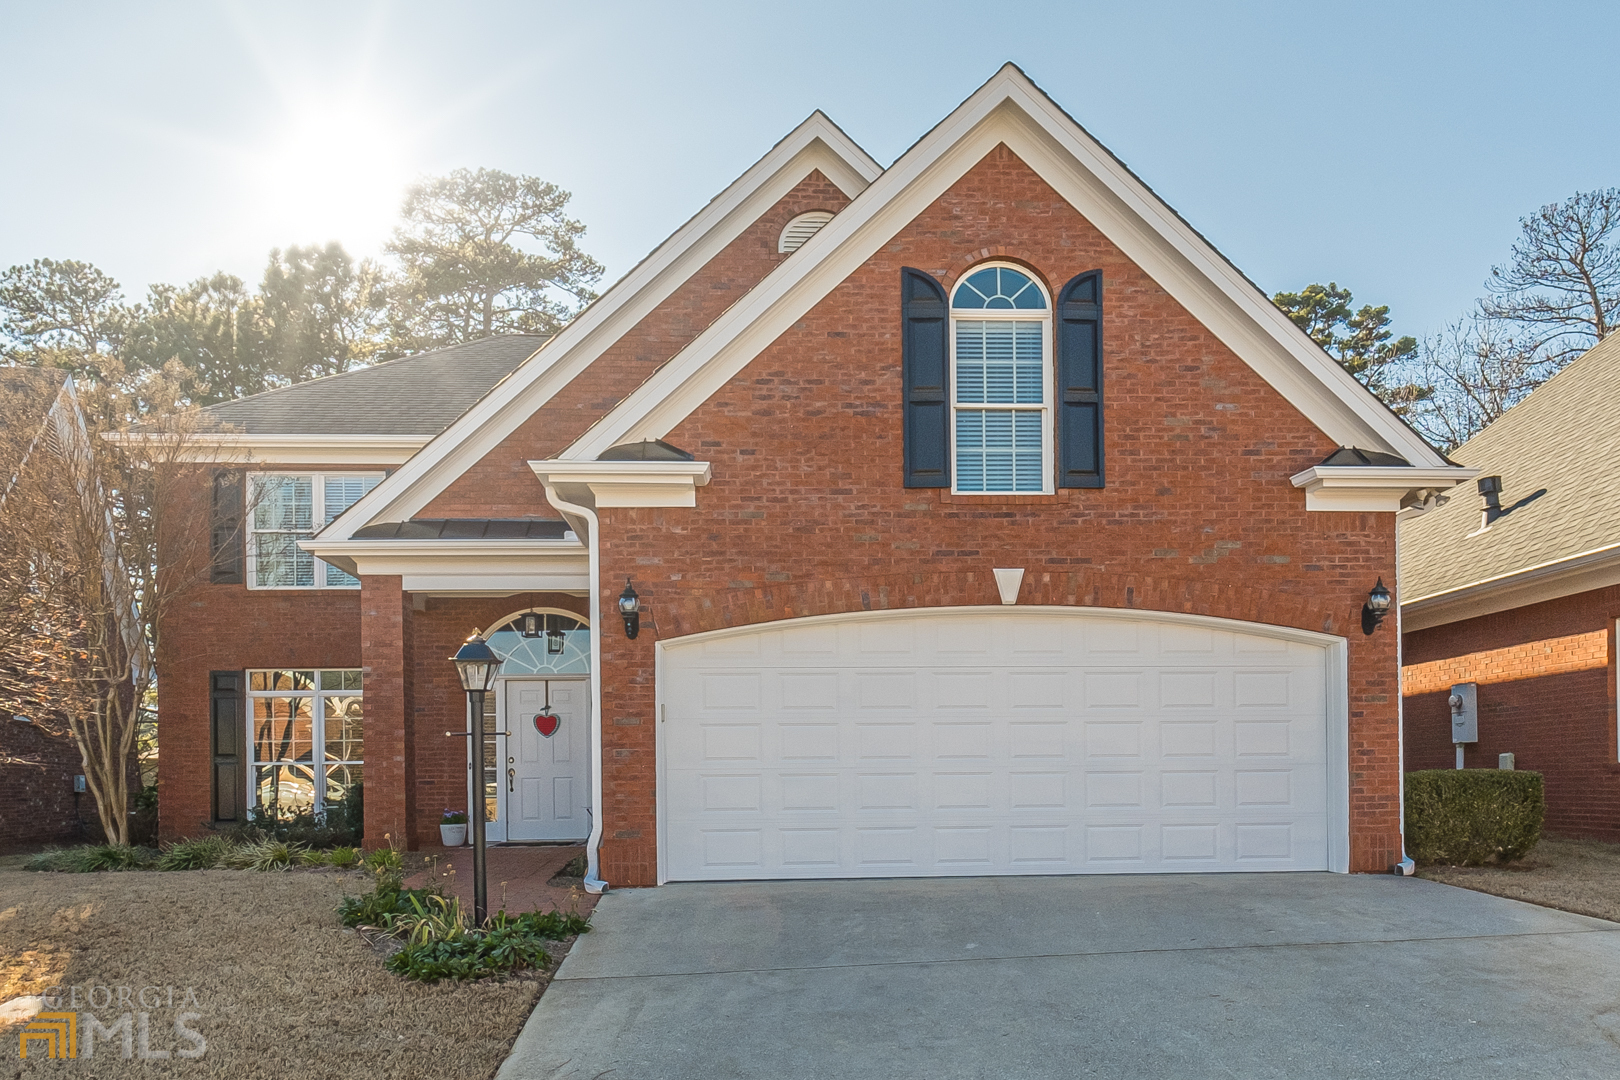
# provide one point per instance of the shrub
(471, 956)
(143, 818)
(1469, 817)
(387, 900)
(91, 858)
(503, 943)
(315, 857)
(202, 854)
(384, 860)
(264, 855)
(344, 858)
(341, 824)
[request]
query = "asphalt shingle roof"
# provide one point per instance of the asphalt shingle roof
(1556, 452)
(416, 395)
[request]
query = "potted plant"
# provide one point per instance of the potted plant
(453, 828)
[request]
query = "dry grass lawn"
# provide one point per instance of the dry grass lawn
(283, 990)
(1582, 876)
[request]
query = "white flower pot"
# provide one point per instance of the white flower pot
(453, 835)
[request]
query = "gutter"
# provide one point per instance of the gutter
(1592, 560)
(593, 867)
(1406, 867)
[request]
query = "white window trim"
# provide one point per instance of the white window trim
(318, 762)
(1048, 375)
(317, 512)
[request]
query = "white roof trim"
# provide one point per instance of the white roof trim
(1374, 488)
(1011, 109)
(1598, 568)
(629, 483)
(817, 143)
(466, 558)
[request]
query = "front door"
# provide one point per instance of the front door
(546, 781)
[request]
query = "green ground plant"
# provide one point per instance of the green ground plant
(1473, 817)
(265, 855)
(93, 858)
(204, 853)
(440, 940)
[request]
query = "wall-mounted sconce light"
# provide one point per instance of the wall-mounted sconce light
(1376, 607)
(531, 624)
(630, 608)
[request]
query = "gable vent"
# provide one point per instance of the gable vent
(801, 229)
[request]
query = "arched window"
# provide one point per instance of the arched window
(542, 642)
(1001, 382)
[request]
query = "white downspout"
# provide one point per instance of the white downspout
(1406, 866)
(593, 873)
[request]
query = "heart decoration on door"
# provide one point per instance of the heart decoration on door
(547, 723)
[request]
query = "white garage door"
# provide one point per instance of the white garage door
(992, 741)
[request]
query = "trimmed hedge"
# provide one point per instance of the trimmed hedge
(1470, 817)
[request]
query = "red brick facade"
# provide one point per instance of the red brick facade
(807, 515)
(37, 804)
(502, 485)
(1546, 677)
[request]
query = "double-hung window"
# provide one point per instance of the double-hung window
(289, 507)
(306, 739)
(1001, 383)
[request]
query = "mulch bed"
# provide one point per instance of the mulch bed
(282, 989)
(1582, 876)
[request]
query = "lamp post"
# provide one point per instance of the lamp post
(477, 665)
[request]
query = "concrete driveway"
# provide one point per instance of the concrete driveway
(1279, 975)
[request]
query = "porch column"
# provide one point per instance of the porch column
(384, 630)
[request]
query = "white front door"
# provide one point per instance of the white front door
(997, 741)
(546, 776)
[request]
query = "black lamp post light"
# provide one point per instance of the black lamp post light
(1376, 607)
(477, 665)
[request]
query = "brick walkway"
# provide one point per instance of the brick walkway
(518, 877)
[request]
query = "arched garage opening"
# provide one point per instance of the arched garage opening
(1020, 740)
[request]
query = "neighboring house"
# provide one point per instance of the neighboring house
(1518, 593)
(38, 760)
(982, 519)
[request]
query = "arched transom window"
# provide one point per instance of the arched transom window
(542, 643)
(1001, 382)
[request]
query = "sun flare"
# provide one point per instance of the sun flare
(333, 170)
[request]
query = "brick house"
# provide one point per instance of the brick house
(39, 759)
(1516, 589)
(982, 519)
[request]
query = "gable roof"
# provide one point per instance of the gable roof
(416, 395)
(816, 144)
(1555, 452)
(1013, 110)
(33, 398)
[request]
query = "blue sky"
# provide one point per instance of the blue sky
(1389, 146)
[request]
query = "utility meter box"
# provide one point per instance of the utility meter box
(1465, 713)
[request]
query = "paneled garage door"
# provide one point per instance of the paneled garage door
(993, 741)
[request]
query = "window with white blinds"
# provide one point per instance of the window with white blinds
(285, 508)
(1001, 383)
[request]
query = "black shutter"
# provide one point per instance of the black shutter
(925, 371)
(226, 540)
(1079, 383)
(228, 733)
